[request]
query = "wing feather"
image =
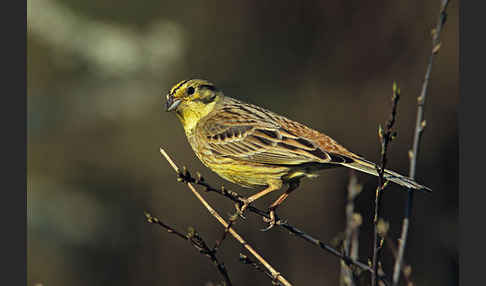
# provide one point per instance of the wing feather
(263, 140)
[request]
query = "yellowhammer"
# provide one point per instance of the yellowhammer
(254, 147)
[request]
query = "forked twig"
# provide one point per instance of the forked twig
(275, 274)
(196, 240)
(419, 128)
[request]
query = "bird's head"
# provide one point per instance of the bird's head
(191, 100)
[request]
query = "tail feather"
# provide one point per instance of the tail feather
(369, 167)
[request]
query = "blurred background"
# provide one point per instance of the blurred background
(98, 72)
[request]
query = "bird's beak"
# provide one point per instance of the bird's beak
(172, 103)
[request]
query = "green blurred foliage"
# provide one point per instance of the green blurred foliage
(97, 75)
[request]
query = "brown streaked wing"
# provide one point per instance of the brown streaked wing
(324, 142)
(261, 140)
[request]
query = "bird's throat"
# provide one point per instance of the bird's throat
(191, 115)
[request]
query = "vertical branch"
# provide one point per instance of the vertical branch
(386, 136)
(350, 243)
(357, 221)
(406, 269)
(419, 128)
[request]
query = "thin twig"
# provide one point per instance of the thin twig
(386, 136)
(357, 266)
(196, 240)
(223, 237)
(275, 274)
(419, 128)
(257, 266)
(357, 220)
(354, 189)
(407, 270)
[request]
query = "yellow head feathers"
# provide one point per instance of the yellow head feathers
(190, 90)
(192, 100)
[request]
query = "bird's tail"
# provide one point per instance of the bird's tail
(369, 167)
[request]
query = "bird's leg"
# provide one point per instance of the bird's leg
(272, 186)
(292, 186)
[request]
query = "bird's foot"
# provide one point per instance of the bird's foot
(241, 207)
(271, 221)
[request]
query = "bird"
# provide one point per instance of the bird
(256, 148)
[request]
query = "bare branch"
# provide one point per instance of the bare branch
(196, 240)
(386, 136)
(353, 263)
(275, 274)
(419, 128)
(350, 239)
(407, 269)
(218, 243)
(257, 266)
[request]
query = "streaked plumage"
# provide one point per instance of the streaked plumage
(254, 147)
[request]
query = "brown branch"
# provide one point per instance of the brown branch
(386, 136)
(257, 266)
(419, 128)
(186, 177)
(196, 240)
(357, 266)
(275, 274)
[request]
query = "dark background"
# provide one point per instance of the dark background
(97, 71)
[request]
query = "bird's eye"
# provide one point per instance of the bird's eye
(190, 90)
